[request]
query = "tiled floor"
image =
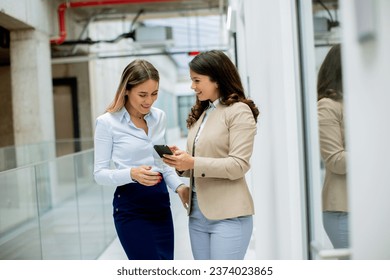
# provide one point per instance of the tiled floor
(182, 245)
(182, 252)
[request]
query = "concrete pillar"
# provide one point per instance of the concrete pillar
(32, 93)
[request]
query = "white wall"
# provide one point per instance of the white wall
(366, 76)
(268, 50)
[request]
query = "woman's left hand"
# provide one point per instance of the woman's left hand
(184, 193)
(180, 160)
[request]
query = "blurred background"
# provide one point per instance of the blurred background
(60, 64)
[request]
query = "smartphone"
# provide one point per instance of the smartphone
(163, 150)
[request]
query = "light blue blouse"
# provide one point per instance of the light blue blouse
(120, 146)
(212, 106)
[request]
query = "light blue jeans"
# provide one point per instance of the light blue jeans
(336, 227)
(218, 239)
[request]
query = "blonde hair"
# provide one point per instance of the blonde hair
(137, 72)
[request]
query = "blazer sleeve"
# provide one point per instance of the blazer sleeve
(331, 135)
(242, 130)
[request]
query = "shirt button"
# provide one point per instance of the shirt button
(203, 174)
(116, 209)
(119, 195)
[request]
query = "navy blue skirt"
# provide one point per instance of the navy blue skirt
(143, 221)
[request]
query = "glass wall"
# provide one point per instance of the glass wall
(185, 104)
(166, 101)
(55, 210)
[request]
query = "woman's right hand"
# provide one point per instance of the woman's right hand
(175, 149)
(145, 176)
(180, 160)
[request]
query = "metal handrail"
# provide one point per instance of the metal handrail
(328, 254)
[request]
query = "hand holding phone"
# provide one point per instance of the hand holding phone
(163, 150)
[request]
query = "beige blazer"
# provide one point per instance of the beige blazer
(222, 154)
(333, 153)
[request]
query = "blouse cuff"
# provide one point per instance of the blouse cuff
(182, 184)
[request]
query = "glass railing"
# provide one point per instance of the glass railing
(16, 156)
(53, 210)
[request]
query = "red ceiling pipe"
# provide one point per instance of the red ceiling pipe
(63, 6)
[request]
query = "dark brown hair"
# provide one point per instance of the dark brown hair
(329, 82)
(219, 68)
(137, 72)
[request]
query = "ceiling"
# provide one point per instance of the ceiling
(194, 22)
(152, 8)
(144, 10)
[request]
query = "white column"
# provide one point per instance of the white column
(366, 70)
(269, 46)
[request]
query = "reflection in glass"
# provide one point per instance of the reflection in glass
(332, 144)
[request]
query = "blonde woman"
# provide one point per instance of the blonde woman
(125, 135)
